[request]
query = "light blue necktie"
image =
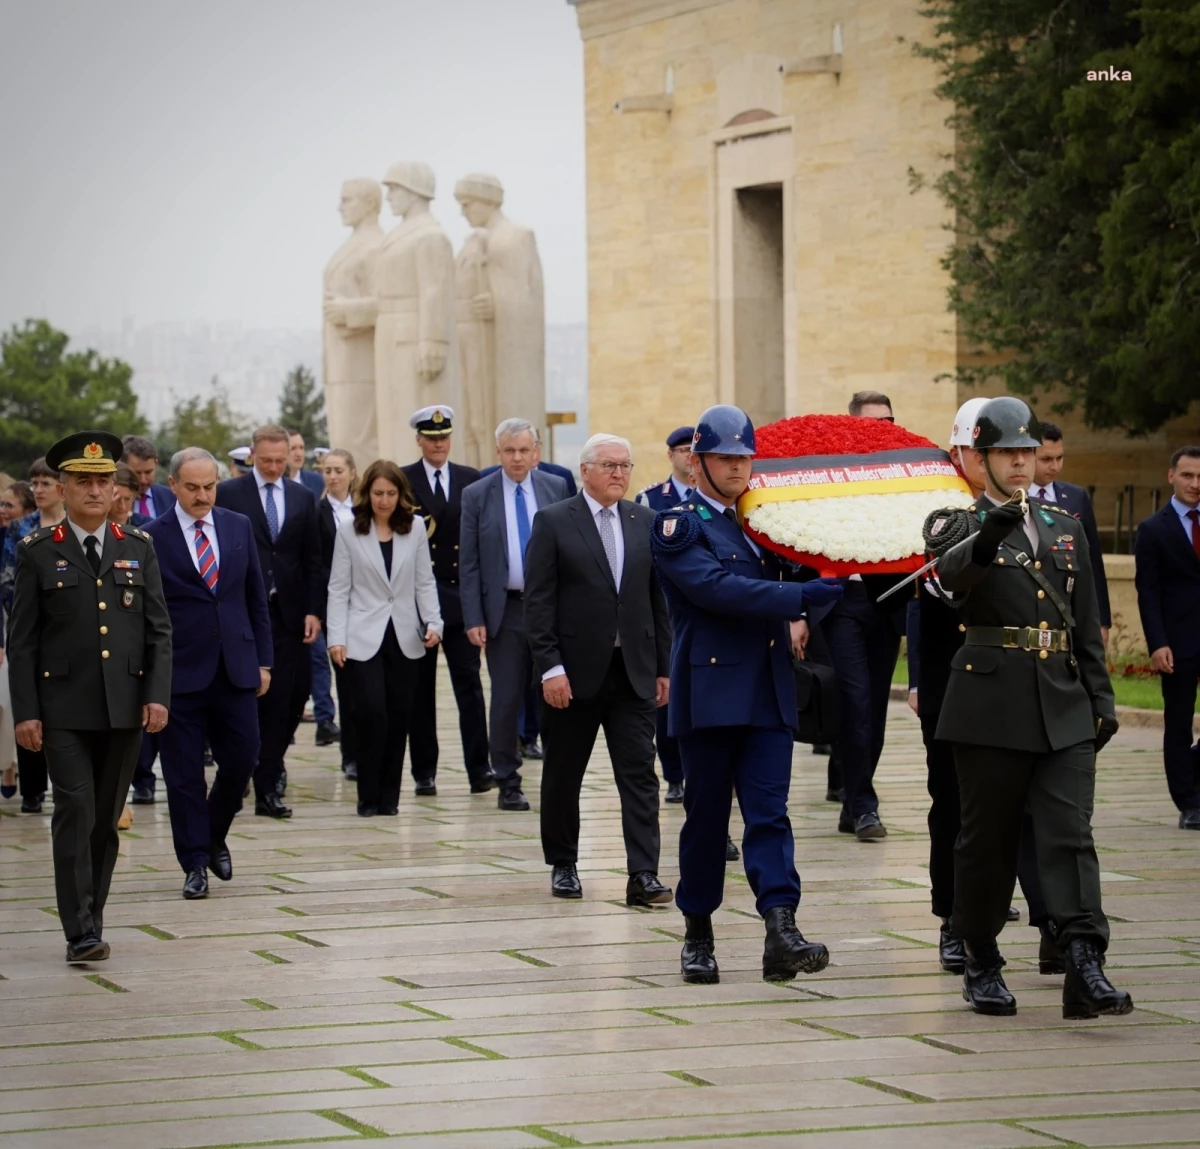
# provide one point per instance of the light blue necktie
(272, 513)
(522, 523)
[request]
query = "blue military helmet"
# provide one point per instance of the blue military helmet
(1006, 423)
(724, 430)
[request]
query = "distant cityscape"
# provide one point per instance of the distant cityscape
(173, 361)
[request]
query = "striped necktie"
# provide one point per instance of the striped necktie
(206, 558)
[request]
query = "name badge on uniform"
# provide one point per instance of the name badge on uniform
(126, 564)
(127, 598)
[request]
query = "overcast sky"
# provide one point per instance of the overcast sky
(172, 160)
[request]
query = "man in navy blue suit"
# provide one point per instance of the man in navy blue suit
(283, 516)
(1049, 488)
(222, 663)
(151, 499)
(1167, 550)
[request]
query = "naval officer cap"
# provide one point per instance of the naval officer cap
(86, 453)
(241, 455)
(433, 422)
(680, 437)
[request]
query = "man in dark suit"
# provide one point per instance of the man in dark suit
(1047, 487)
(438, 485)
(1167, 551)
(284, 517)
(296, 469)
(601, 642)
(90, 667)
(222, 663)
(151, 499)
(497, 518)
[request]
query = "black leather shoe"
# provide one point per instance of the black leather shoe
(31, 805)
(426, 788)
(328, 733)
(142, 796)
(952, 957)
(482, 783)
(1190, 820)
(786, 953)
(219, 861)
(195, 885)
(732, 853)
(1014, 914)
(838, 796)
(531, 749)
(281, 785)
(87, 948)
(1086, 991)
(845, 824)
(1050, 958)
(272, 807)
(350, 770)
(565, 883)
(644, 889)
(698, 960)
(674, 792)
(511, 800)
(365, 810)
(388, 811)
(983, 987)
(868, 828)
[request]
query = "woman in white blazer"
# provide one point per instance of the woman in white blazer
(383, 615)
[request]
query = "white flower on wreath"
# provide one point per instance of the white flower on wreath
(856, 528)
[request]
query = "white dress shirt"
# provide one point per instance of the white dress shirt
(1046, 494)
(188, 523)
(516, 561)
(444, 471)
(343, 510)
(99, 533)
(278, 492)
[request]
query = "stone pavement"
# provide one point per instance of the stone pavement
(410, 980)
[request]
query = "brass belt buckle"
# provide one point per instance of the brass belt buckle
(1012, 637)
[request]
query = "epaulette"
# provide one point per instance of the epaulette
(38, 535)
(675, 529)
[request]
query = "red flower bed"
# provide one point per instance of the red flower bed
(832, 435)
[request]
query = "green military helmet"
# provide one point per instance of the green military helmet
(1007, 422)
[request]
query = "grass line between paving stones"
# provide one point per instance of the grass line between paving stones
(291, 910)
(430, 1013)
(683, 1075)
(486, 1054)
(1012, 1123)
(362, 1075)
(899, 937)
(431, 893)
(274, 959)
(364, 1130)
(235, 1039)
(400, 981)
(155, 932)
(258, 1003)
(942, 1045)
(104, 983)
(655, 1011)
(527, 959)
(548, 1135)
(823, 1028)
(298, 937)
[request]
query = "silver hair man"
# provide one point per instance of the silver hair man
(592, 447)
(516, 427)
(189, 455)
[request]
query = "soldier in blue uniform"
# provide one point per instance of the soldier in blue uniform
(733, 701)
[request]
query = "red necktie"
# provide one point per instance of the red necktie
(208, 561)
(1194, 515)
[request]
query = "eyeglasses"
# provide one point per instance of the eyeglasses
(611, 468)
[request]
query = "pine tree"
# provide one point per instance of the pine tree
(302, 406)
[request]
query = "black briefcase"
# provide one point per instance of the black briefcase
(816, 701)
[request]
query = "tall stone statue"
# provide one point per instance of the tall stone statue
(349, 328)
(500, 316)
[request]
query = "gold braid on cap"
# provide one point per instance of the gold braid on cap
(92, 462)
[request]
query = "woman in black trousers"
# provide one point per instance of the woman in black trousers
(383, 615)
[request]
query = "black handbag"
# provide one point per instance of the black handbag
(816, 701)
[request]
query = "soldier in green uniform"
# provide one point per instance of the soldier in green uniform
(90, 667)
(1028, 706)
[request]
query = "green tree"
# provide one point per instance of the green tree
(47, 392)
(203, 421)
(1077, 202)
(302, 406)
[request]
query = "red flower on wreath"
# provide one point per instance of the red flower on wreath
(832, 435)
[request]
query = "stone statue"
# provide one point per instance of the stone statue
(349, 328)
(500, 316)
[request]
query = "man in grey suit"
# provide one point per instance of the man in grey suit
(497, 519)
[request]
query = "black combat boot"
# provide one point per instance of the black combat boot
(786, 953)
(698, 962)
(983, 987)
(1050, 958)
(951, 955)
(1086, 991)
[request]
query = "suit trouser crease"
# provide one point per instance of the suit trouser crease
(383, 688)
(90, 771)
(1059, 788)
(569, 736)
(510, 667)
(225, 718)
(1181, 759)
(755, 762)
(463, 662)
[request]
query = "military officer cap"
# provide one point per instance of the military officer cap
(680, 437)
(433, 422)
(86, 453)
(1006, 423)
(241, 455)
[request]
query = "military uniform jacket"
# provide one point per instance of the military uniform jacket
(661, 496)
(1013, 698)
(731, 661)
(88, 651)
(443, 532)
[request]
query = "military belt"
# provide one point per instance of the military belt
(1018, 638)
